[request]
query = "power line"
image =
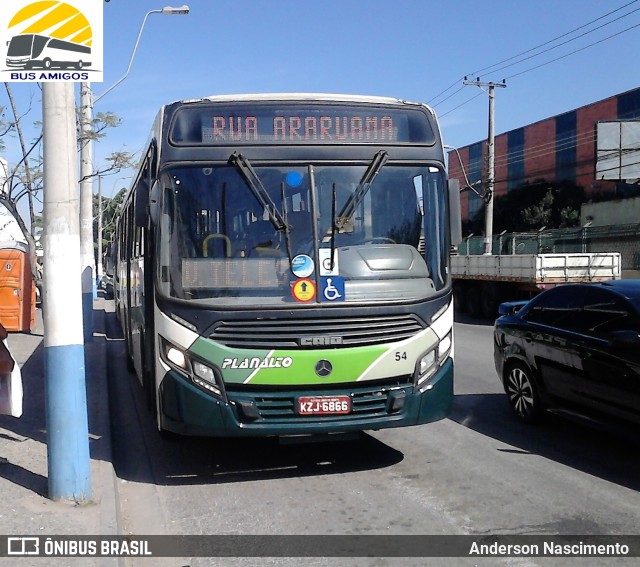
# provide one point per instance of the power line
(552, 171)
(462, 104)
(573, 52)
(505, 160)
(491, 67)
(547, 148)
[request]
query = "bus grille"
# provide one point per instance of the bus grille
(288, 333)
(371, 403)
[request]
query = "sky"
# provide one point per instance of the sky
(418, 50)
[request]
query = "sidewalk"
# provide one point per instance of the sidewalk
(26, 510)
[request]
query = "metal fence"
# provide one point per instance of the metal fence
(623, 238)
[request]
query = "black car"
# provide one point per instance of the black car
(574, 347)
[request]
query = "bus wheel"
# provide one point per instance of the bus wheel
(80, 64)
(47, 63)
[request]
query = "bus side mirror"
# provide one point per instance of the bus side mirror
(141, 204)
(455, 217)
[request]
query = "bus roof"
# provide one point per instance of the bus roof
(324, 97)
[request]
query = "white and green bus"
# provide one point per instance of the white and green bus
(283, 266)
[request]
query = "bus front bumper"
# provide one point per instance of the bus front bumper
(187, 410)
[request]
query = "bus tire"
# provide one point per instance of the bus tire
(47, 63)
(80, 64)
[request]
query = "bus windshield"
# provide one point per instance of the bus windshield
(20, 45)
(282, 238)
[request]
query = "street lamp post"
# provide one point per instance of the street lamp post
(86, 211)
(88, 268)
(167, 10)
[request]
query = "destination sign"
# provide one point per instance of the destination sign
(315, 124)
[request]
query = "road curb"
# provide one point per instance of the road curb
(105, 480)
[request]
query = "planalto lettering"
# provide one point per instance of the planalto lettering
(256, 362)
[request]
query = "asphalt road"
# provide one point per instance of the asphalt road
(479, 472)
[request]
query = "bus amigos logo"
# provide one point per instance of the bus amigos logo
(51, 41)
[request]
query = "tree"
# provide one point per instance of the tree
(25, 179)
(111, 208)
(532, 206)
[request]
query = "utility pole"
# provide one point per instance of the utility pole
(86, 209)
(88, 264)
(99, 271)
(66, 405)
(488, 192)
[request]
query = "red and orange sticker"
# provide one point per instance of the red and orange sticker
(304, 290)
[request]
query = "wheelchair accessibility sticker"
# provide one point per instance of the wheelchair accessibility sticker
(332, 288)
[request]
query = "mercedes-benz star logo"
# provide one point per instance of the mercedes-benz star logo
(323, 368)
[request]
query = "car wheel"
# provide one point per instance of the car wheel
(522, 393)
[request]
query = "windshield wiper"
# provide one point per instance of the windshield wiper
(350, 207)
(258, 190)
(333, 229)
(287, 240)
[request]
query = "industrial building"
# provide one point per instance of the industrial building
(573, 147)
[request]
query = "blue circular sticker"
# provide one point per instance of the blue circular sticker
(302, 266)
(294, 179)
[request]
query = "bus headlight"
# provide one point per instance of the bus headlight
(431, 361)
(427, 364)
(176, 356)
(206, 377)
(195, 370)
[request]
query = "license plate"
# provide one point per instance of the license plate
(324, 405)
